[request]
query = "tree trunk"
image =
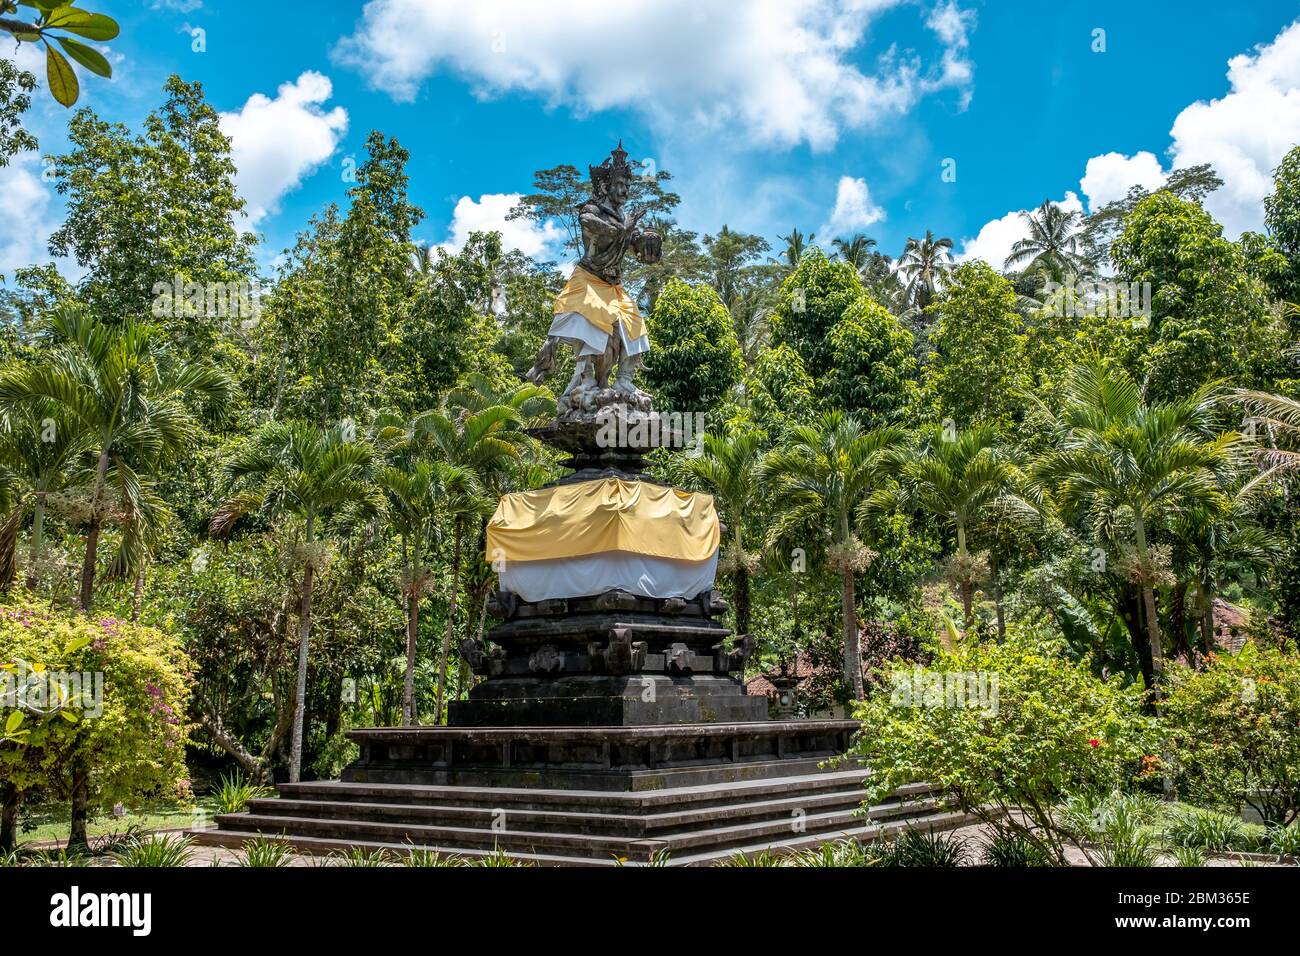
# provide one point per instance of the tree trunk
(997, 596)
(1153, 632)
(80, 809)
(451, 623)
(38, 535)
(1206, 619)
(10, 801)
(137, 597)
(852, 652)
(740, 584)
(1178, 643)
(409, 714)
(300, 700)
(968, 605)
(92, 536)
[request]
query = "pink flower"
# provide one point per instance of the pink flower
(1094, 742)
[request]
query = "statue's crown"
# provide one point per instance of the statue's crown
(615, 167)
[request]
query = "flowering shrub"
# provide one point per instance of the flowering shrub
(1043, 728)
(1233, 731)
(94, 710)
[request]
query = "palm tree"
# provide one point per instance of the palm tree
(1280, 418)
(475, 446)
(131, 396)
(302, 470)
(855, 251)
(796, 244)
(1052, 244)
(413, 495)
(40, 452)
(822, 476)
(1129, 469)
(961, 478)
(727, 469)
(923, 266)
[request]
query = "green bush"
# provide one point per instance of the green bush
(926, 849)
(235, 792)
(1056, 730)
(122, 744)
(1006, 849)
(155, 852)
(263, 852)
(1232, 732)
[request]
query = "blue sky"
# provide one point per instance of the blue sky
(835, 116)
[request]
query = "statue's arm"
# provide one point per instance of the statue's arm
(593, 221)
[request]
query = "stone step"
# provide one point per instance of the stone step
(642, 801)
(865, 833)
(711, 834)
(561, 818)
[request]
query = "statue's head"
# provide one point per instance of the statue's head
(612, 179)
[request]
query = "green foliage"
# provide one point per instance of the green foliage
(264, 852)
(1056, 730)
(15, 99)
(978, 368)
(62, 16)
(1282, 216)
(1210, 830)
(162, 850)
(1208, 317)
(814, 299)
(696, 358)
(873, 370)
(1232, 730)
(134, 749)
(1012, 850)
(925, 848)
(235, 791)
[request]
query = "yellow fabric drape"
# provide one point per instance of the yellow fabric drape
(600, 303)
(607, 514)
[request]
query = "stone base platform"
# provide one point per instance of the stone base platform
(694, 795)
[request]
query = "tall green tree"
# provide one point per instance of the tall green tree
(728, 469)
(1052, 246)
(696, 360)
(822, 476)
(133, 396)
(923, 267)
(1126, 469)
(310, 473)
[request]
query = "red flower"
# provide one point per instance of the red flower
(1094, 742)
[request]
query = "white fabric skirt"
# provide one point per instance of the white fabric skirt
(594, 574)
(579, 331)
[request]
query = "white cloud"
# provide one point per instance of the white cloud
(783, 71)
(1247, 132)
(1108, 177)
(994, 241)
(276, 143)
(488, 214)
(178, 6)
(26, 218)
(853, 212)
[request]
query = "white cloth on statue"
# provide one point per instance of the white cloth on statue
(594, 574)
(580, 332)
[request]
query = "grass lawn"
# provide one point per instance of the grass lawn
(51, 820)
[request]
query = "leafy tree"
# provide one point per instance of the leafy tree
(873, 369)
(1104, 225)
(15, 99)
(1232, 731)
(131, 395)
(958, 478)
(730, 263)
(978, 366)
(696, 359)
(796, 244)
(310, 473)
(727, 469)
(779, 390)
(1126, 469)
(61, 15)
(814, 297)
(1282, 216)
(923, 267)
(149, 209)
(822, 476)
(1208, 318)
(120, 742)
(1055, 731)
(1052, 244)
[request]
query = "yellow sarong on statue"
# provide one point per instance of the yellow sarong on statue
(601, 303)
(608, 514)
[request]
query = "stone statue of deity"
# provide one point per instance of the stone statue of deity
(594, 314)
